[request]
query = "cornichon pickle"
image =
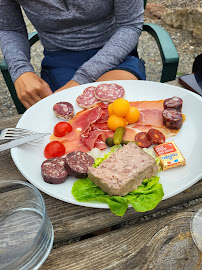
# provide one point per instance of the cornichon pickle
(109, 142)
(118, 135)
(126, 142)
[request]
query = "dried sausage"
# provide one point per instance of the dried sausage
(156, 136)
(142, 140)
(53, 170)
(173, 103)
(109, 91)
(63, 110)
(87, 99)
(172, 118)
(77, 163)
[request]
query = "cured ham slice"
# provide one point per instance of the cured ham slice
(80, 123)
(100, 126)
(132, 130)
(150, 112)
(151, 117)
(96, 136)
(154, 104)
(129, 134)
(74, 145)
(100, 144)
(90, 140)
(80, 147)
(90, 129)
(85, 118)
(135, 103)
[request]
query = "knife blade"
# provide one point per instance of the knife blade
(21, 141)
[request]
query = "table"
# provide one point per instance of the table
(158, 239)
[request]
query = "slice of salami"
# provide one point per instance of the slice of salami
(87, 99)
(156, 136)
(63, 110)
(173, 103)
(53, 170)
(77, 163)
(142, 140)
(109, 91)
(172, 118)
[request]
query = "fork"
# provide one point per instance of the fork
(15, 133)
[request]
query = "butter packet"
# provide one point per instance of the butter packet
(170, 156)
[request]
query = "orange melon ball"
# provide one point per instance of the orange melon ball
(110, 111)
(115, 121)
(125, 122)
(120, 107)
(133, 115)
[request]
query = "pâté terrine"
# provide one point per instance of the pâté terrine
(124, 170)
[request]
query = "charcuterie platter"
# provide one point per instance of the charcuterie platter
(41, 118)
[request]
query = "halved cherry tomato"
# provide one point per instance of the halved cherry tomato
(54, 149)
(61, 129)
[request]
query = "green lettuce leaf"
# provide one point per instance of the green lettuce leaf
(146, 197)
(118, 205)
(85, 190)
(114, 148)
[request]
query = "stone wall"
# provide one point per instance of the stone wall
(185, 18)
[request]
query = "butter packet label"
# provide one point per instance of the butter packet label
(170, 156)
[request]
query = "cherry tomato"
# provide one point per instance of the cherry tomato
(61, 129)
(54, 149)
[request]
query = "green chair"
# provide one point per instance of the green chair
(33, 38)
(169, 56)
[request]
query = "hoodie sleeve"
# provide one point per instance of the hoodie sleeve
(13, 39)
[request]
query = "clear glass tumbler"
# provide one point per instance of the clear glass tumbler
(26, 233)
(196, 228)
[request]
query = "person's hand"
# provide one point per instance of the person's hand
(31, 88)
(70, 84)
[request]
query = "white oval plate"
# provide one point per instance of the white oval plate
(41, 118)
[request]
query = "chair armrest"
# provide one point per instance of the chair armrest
(32, 37)
(3, 65)
(169, 55)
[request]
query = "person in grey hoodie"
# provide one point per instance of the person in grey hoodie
(84, 41)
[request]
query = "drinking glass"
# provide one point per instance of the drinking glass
(26, 233)
(196, 229)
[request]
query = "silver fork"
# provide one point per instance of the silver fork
(15, 133)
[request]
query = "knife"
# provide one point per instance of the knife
(21, 141)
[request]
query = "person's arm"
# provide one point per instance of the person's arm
(13, 39)
(69, 84)
(129, 23)
(15, 46)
